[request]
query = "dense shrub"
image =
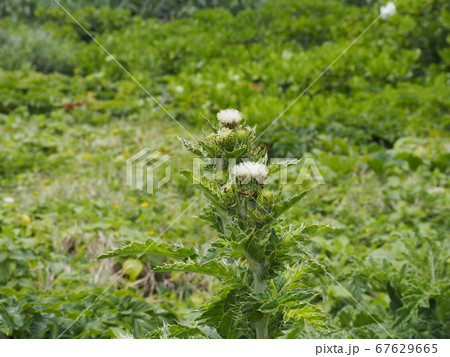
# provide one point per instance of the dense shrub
(35, 47)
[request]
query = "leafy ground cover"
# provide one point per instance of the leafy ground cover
(377, 125)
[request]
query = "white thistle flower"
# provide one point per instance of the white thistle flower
(247, 170)
(229, 116)
(388, 10)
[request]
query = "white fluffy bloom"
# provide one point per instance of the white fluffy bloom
(8, 200)
(247, 170)
(229, 116)
(388, 10)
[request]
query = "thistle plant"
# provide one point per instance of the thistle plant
(258, 259)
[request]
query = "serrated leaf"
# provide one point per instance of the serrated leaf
(209, 214)
(207, 191)
(191, 147)
(177, 331)
(209, 150)
(151, 246)
(209, 268)
(293, 297)
(279, 209)
(270, 306)
(318, 228)
(305, 311)
(237, 153)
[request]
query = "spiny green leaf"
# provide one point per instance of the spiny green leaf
(209, 150)
(210, 215)
(317, 228)
(294, 297)
(270, 306)
(237, 153)
(151, 246)
(210, 268)
(279, 209)
(177, 331)
(305, 311)
(191, 147)
(207, 191)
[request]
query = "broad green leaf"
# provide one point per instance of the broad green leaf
(317, 228)
(6, 325)
(270, 306)
(151, 246)
(293, 297)
(305, 311)
(210, 268)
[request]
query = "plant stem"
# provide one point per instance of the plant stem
(259, 285)
(261, 326)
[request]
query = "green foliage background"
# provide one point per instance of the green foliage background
(377, 123)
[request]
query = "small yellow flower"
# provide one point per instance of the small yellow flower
(131, 198)
(116, 206)
(34, 192)
(144, 204)
(151, 233)
(368, 229)
(86, 156)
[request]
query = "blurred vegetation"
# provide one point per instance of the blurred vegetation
(377, 123)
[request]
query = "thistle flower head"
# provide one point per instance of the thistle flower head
(229, 117)
(224, 133)
(388, 10)
(251, 170)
